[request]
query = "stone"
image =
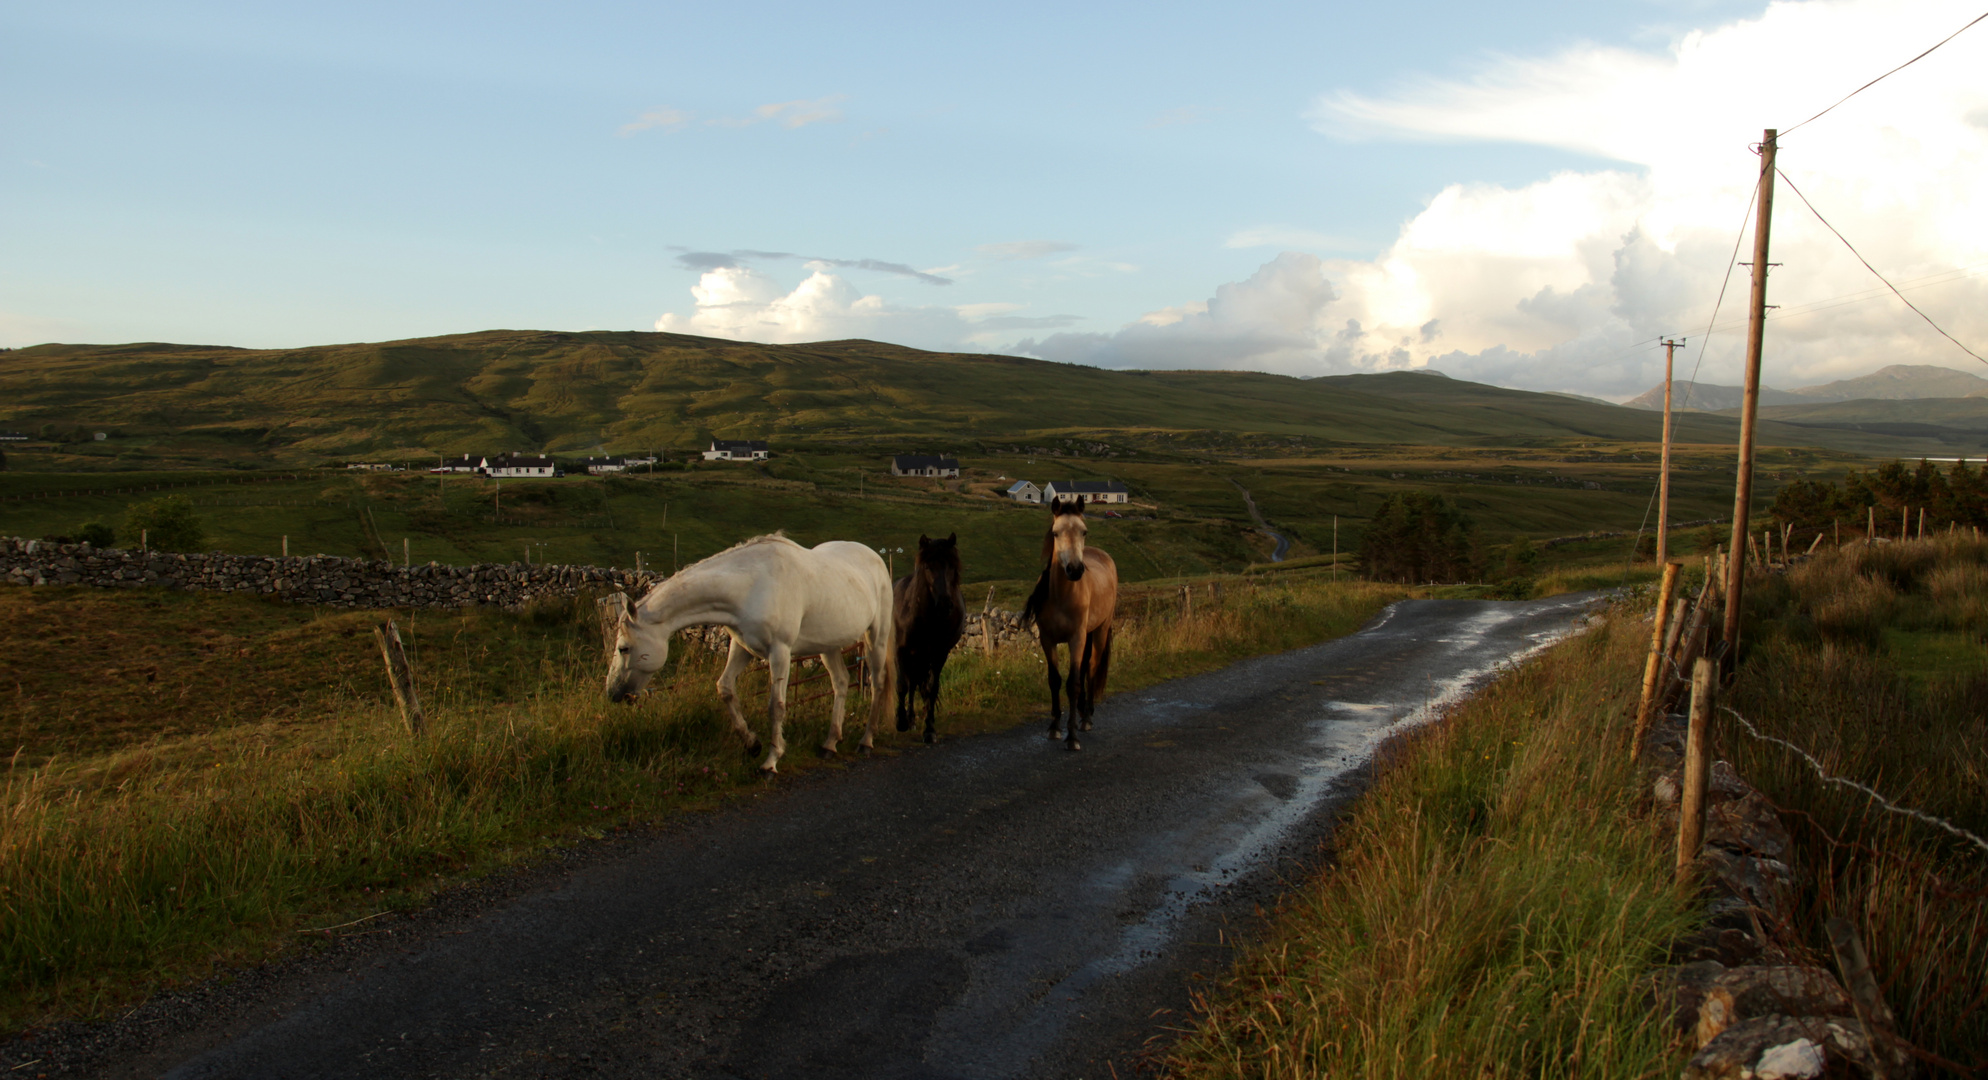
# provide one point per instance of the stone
(1765, 884)
(1748, 825)
(1769, 990)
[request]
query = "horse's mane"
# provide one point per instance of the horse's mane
(1036, 599)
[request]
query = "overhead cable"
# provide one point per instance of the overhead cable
(1873, 269)
(1788, 131)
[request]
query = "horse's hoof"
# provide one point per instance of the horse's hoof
(1055, 733)
(1085, 726)
(931, 736)
(863, 750)
(768, 770)
(824, 752)
(1073, 744)
(752, 749)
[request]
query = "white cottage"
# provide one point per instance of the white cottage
(1024, 492)
(1091, 491)
(736, 450)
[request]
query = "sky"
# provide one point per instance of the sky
(1528, 195)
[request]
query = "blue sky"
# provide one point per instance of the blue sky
(1078, 182)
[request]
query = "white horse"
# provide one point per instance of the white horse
(781, 601)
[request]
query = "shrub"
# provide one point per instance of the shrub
(96, 534)
(167, 523)
(1418, 536)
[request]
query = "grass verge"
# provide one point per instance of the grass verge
(214, 836)
(1496, 897)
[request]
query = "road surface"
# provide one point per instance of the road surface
(990, 907)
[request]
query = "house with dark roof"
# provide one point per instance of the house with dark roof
(736, 450)
(468, 463)
(601, 466)
(1091, 491)
(923, 465)
(520, 465)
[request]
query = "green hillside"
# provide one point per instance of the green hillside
(173, 406)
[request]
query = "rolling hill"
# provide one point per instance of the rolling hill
(1899, 382)
(174, 405)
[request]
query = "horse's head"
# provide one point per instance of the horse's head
(640, 650)
(1066, 535)
(939, 563)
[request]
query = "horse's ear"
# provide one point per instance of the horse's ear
(953, 539)
(924, 541)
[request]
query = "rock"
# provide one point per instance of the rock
(1783, 1048)
(1773, 990)
(1765, 884)
(1747, 825)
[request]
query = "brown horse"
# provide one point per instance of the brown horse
(1072, 605)
(930, 618)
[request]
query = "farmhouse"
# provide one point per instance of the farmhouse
(736, 450)
(468, 463)
(13, 436)
(1024, 492)
(1091, 491)
(922, 465)
(601, 466)
(509, 465)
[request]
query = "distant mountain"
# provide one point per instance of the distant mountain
(1899, 382)
(1710, 397)
(572, 393)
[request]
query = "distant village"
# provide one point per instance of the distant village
(543, 466)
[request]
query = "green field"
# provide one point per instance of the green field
(1187, 517)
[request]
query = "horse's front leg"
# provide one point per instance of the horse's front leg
(728, 692)
(1077, 703)
(932, 701)
(779, 665)
(907, 705)
(838, 682)
(1055, 688)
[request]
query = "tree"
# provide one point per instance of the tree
(1418, 536)
(168, 523)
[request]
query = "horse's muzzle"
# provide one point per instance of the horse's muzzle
(1074, 573)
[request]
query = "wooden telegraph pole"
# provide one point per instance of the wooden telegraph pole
(1756, 318)
(1663, 479)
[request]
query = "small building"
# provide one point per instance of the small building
(736, 450)
(1091, 491)
(372, 466)
(602, 466)
(13, 436)
(517, 465)
(468, 463)
(1024, 492)
(923, 465)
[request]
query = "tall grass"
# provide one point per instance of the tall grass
(151, 862)
(1875, 660)
(1497, 896)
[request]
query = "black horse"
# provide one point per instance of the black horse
(930, 619)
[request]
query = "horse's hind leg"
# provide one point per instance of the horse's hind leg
(728, 692)
(779, 665)
(1099, 650)
(838, 681)
(882, 669)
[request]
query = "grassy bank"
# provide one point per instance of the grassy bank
(1875, 660)
(1496, 897)
(187, 833)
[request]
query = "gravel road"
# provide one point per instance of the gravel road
(990, 907)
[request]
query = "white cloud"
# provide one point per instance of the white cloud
(789, 114)
(743, 304)
(663, 119)
(1274, 321)
(1554, 284)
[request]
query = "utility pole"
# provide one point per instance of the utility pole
(1663, 479)
(1755, 327)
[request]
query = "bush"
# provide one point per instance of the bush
(96, 534)
(167, 523)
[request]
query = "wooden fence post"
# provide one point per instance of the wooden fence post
(1697, 767)
(400, 675)
(987, 624)
(1186, 601)
(1654, 665)
(613, 608)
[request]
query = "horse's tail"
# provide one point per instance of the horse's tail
(1036, 599)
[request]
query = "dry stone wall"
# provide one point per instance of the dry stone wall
(314, 579)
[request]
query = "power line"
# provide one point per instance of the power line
(1731, 261)
(1984, 15)
(1873, 269)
